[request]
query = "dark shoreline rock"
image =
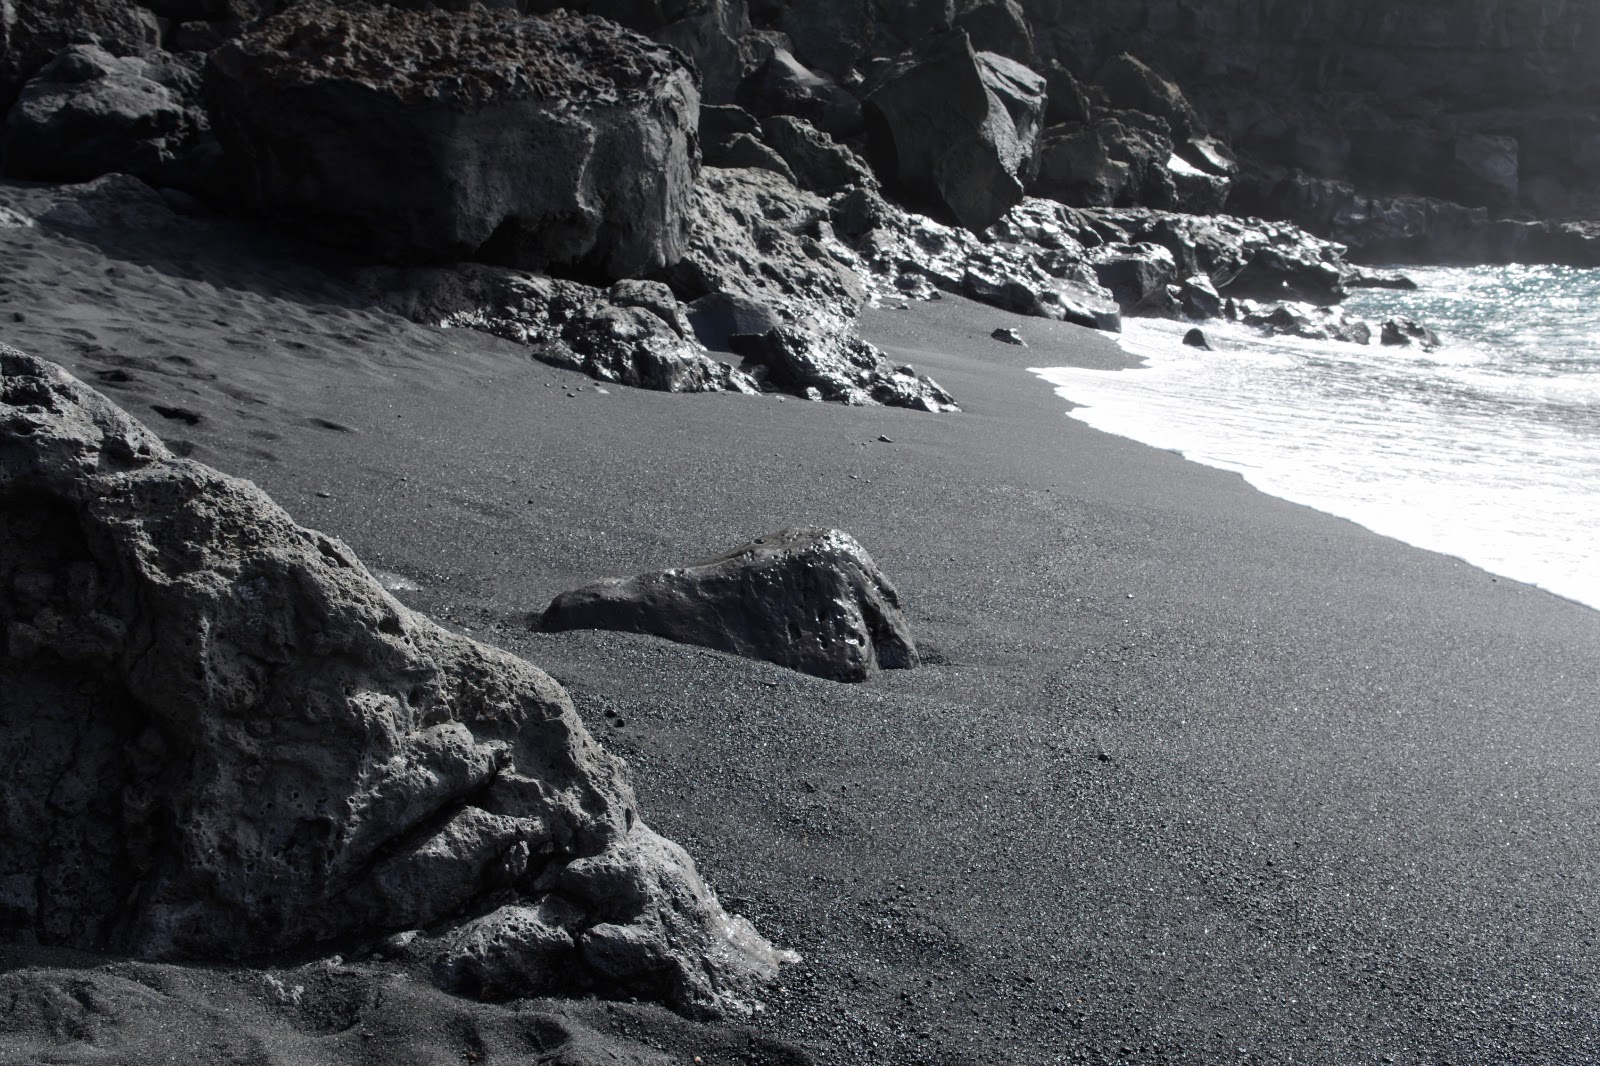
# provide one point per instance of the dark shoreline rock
(425, 136)
(955, 130)
(808, 599)
(220, 739)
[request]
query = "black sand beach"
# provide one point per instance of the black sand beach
(1189, 773)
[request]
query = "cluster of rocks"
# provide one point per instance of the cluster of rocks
(719, 189)
(221, 738)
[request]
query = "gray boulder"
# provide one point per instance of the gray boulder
(33, 32)
(808, 599)
(416, 135)
(1402, 332)
(769, 245)
(90, 113)
(1308, 321)
(1136, 274)
(745, 151)
(954, 131)
(1076, 168)
(634, 333)
(831, 35)
(221, 738)
(1132, 86)
(837, 365)
(1031, 262)
(817, 162)
(782, 85)
(1001, 27)
(757, 236)
(710, 34)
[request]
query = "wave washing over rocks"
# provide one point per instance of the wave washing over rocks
(239, 771)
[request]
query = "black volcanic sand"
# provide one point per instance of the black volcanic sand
(1190, 772)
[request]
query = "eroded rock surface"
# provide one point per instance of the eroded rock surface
(955, 130)
(219, 737)
(770, 249)
(90, 113)
(416, 135)
(634, 333)
(809, 599)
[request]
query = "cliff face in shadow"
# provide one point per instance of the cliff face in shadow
(1484, 102)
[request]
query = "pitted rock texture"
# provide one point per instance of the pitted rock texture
(219, 737)
(1033, 261)
(955, 131)
(770, 250)
(428, 135)
(809, 599)
(90, 113)
(634, 333)
(32, 32)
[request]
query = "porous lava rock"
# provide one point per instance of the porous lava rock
(771, 249)
(90, 113)
(808, 599)
(634, 333)
(817, 162)
(558, 141)
(33, 32)
(221, 738)
(782, 85)
(954, 131)
(1032, 262)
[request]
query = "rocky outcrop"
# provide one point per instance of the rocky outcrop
(1309, 322)
(1401, 332)
(537, 142)
(1414, 229)
(1032, 262)
(954, 131)
(818, 162)
(809, 599)
(634, 333)
(769, 247)
(1243, 257)
(219, 738)
(782, 85)
(90, 113)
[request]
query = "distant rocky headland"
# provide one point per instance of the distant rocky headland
(255, 751)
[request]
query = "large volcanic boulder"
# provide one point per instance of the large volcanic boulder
(89, 113)
(782, 85)
(560, 141)
(32, 32)
(954, 131)
(220, 737)
(809, 599)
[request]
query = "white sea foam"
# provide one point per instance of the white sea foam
(1487, 449)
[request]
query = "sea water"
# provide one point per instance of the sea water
(1487, 448)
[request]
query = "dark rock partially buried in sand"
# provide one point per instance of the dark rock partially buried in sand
(428, 135)
(809, 599)
(220, 738)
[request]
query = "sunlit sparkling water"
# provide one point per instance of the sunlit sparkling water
(1487, 449)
